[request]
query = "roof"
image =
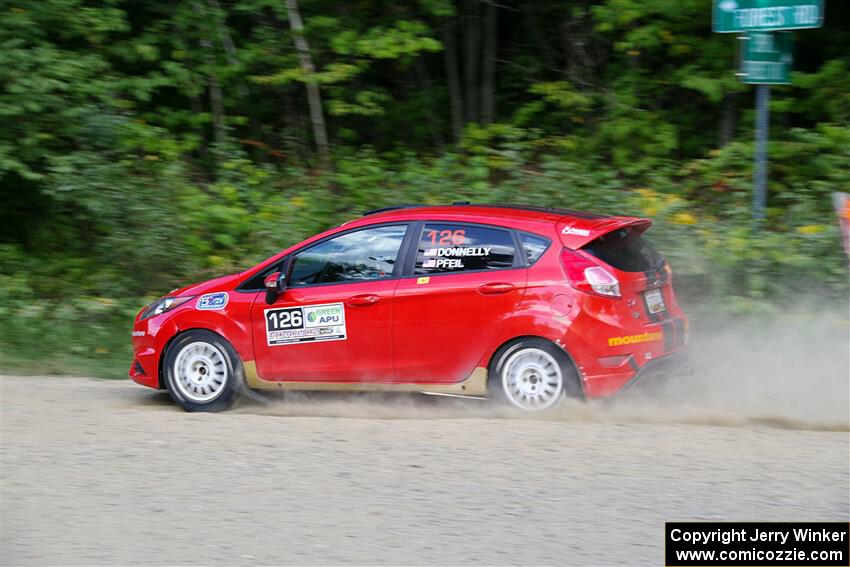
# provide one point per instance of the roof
(576, 228)
(529, 212)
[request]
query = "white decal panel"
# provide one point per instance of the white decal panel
(311, 323)
(568, 230)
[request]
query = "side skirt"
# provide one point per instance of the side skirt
(473, 385)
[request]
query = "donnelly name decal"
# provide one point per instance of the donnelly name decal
(459, 252)
(452, 257)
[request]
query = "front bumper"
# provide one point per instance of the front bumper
(150, 338)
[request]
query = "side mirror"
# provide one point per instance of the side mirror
(275, 283)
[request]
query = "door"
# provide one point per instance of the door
(333, 322)
(468, 280)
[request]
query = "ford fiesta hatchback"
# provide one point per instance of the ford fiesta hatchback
(527, 305)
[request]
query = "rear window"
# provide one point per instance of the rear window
(626, 250)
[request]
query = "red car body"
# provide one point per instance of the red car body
(432, 332)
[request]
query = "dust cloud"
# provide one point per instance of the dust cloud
(790, 371)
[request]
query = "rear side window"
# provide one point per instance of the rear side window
(625, 249)
(533, 246)
(461, 248)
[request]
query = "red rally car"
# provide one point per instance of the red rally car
(524, 304)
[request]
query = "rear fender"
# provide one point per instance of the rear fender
(546, 312)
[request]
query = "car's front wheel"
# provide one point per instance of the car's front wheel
(202, 371)
(533, 375)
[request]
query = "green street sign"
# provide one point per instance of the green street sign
(766, 58)
(766, 15)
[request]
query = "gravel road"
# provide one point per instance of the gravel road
(107, 472)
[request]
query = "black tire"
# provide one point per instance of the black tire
(530, 385)
(202, 371)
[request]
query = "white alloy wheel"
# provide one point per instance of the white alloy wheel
(532, 379)
(200, 372)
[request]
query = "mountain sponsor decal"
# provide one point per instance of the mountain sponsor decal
(635, 339)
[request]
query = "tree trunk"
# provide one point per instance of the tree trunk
(488, 84)
(434, 125)
(214, 87)
(314, 97)
(217, 106)
(472, 36)
(226, 41)
(453, 77)
(728, 120)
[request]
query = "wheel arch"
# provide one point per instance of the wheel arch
(172, 339)
(498, 355)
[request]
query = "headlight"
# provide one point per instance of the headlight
(160, 306)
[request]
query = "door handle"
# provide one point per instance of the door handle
(363, 300)
(495, 288)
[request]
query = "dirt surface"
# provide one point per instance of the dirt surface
(107, 472)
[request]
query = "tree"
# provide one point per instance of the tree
(314, 97)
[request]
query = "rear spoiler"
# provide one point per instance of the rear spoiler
(577, 232)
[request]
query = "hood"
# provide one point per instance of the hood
(221, 283)
(576, 232)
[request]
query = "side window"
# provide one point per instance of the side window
(533, 246)
(368, 254)
(456, 248)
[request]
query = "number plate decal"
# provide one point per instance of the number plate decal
(655, 301)
(310, 323)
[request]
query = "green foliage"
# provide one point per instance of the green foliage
(146, 145)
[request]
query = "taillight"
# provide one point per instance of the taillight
(586, 275)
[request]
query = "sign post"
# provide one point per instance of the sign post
(760, 157)
(766, 59)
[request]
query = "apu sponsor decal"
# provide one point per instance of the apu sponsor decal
(577, 231)
(635, 339)
(305, 324)
(211, 301)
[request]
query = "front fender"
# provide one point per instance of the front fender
(151, 337)
(233, 323)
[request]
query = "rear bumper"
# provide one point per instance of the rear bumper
(629, 374)
(676, 364)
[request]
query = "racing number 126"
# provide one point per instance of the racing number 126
(444, 237)
(285, 319)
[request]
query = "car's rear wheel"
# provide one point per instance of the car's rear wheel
(533, 375)
(202, 371)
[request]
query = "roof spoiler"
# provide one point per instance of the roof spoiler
(576, 233)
